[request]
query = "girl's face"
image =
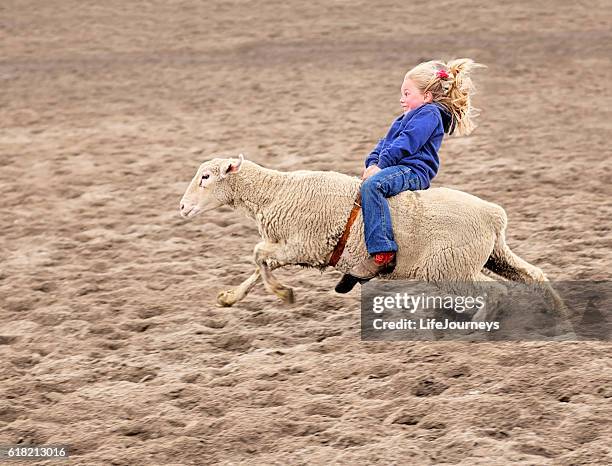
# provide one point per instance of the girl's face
(412, 97)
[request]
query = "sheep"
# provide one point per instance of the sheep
(444, 235)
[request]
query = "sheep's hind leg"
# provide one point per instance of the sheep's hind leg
(269, 256)
(495, 293)
(506, 264)
(233, 295)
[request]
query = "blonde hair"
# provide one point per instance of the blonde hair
(450, 85)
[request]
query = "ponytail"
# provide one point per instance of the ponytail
(450, 85)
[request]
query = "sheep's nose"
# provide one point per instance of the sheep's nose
(182, 207)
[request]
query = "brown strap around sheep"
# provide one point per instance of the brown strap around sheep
(339, 249)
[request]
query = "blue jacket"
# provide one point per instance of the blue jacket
(414, 140)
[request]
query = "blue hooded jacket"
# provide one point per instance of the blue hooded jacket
(414, 140)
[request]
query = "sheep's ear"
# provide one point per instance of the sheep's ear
(228, 166)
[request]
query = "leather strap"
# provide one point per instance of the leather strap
(339, 249)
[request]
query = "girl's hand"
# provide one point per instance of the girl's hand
(368, 172)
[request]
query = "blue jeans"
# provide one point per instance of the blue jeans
(376, 215)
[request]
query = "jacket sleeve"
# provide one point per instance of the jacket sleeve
(373, 157)
(416, 133)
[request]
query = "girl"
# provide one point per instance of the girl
(435, 97)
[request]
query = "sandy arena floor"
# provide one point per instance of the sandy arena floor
(111, 340)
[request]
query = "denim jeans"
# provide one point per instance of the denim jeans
(376, 215)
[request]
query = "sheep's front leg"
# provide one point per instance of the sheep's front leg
(269, 256)
(232, 296)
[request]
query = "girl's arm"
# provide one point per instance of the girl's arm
(418, 130)
(373, 157)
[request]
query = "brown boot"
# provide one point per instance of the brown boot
(348, 282)
(383, 262)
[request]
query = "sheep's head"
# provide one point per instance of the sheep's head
(209, 188)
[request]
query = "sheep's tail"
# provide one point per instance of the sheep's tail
(505, 263)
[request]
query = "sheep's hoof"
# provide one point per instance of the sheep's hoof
(564, 331)
(226, 298)
(286, 294)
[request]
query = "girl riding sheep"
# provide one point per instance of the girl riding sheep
(435, 97)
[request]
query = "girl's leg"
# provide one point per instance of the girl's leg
(376, 214)
(377, 222)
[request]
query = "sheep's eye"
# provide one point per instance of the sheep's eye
(204, 177)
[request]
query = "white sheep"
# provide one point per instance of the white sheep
(443, 235)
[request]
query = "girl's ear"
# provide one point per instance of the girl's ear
(428, 97)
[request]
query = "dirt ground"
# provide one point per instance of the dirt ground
(111, 341)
